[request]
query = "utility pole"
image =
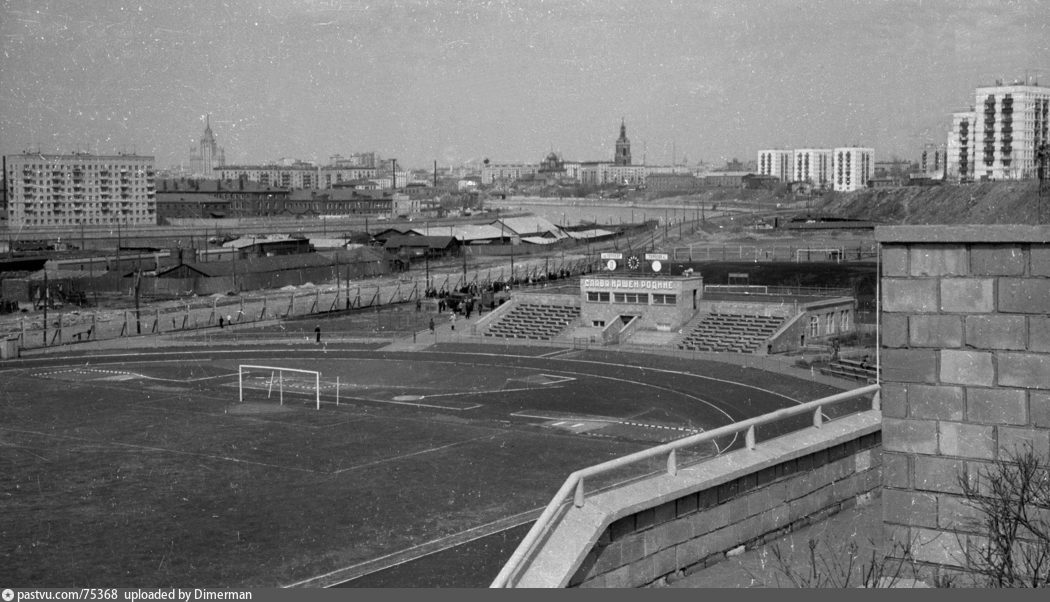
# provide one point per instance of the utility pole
(44, 296)
(138, 282)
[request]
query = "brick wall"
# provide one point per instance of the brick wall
(965, 337)
(696, 530)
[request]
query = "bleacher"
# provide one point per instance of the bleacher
(738, 333)
(850, 368)
(531, 321)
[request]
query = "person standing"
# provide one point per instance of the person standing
(317, 333)
(452, 319)
(431, 325)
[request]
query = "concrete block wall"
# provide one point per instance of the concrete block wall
(686, 534)
(965, 344)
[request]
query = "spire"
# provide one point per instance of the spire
(623, 128)
(207, 127)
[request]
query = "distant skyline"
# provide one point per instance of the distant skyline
(457, 81)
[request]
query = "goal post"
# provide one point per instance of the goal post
(275, 376)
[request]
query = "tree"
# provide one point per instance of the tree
(1012, 502)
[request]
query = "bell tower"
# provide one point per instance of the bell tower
(623, 147)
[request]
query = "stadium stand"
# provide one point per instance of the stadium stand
(532, 321)
(737, 333)
(862, 370)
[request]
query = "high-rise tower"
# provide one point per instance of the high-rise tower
(208, 155)
(623, 147)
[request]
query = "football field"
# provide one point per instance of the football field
(146, 469)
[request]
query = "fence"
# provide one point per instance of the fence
(62, 328)
(773, 253)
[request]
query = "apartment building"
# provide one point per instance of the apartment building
(812, 165)
(851, 168)
(932, 161)
(959, 154)
(776, 163)
(80, 189)
(296, 176)
(1011, 122)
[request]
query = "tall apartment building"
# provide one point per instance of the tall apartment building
(79, 189)
(959, 154)
(932, 160)
(851, 168)
(1011, 124)
(776, 163)
(812, 165)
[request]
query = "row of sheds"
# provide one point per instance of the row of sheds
(447, 239)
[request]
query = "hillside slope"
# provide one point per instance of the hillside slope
(983, 203)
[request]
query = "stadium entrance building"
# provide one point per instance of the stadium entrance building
(660, 303)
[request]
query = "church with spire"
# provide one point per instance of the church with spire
(208, 155)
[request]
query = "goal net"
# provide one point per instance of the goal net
(269, 382)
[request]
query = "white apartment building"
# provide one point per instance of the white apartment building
(331, 175)
(812, 165)
(1011, 124)
(959, 152)
(776, 163)
(507, 172)
(297, 176)
(80, 189)
(851, 168)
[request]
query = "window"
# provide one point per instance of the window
(598, 323)
(829, 323)
(814, 326)
(638, 298)
(597, 296)
(844, 321)
(659, 299)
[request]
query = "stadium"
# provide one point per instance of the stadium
(266, 458)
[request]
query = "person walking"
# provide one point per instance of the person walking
(431, 325)
(452, 319)
(317, 333)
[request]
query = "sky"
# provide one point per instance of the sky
(457, 81)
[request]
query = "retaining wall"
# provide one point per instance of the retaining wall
(665, 526)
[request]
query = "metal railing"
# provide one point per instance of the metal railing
(575, 485)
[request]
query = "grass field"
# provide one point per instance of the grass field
(143, 470)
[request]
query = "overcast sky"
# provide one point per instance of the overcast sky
(455, 81)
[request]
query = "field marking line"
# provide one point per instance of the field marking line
(544, 388)
(411, 454)
(554, 353)
(103, 444)
(618, 365)
(417, 551)
(406, 403)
